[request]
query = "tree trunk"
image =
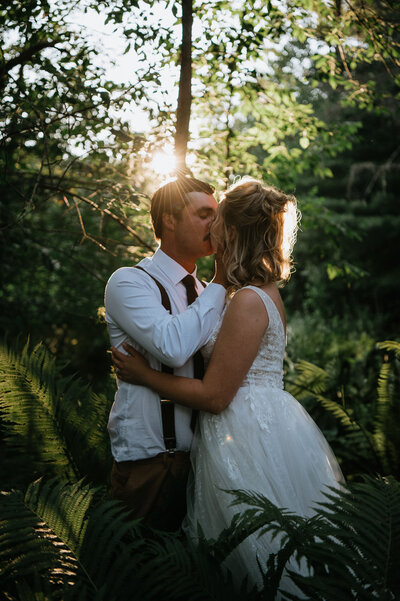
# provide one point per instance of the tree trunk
(185, 88)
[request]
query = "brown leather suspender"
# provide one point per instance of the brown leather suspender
(167, 407)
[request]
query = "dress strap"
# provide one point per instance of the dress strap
(269, 304)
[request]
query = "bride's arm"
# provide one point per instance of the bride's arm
(236, 347)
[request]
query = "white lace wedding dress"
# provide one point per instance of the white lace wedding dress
(264, 441)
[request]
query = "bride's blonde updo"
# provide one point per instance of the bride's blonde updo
(256, 227)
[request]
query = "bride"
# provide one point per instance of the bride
(251, 434)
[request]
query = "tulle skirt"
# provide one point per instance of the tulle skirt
(263, 442)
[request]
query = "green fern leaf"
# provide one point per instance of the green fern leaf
(52, 424)
(188, 571)
(29, 405)
(390, 345)
(363, 441)
(28, 547)
(85, 537)
(341, 413)
(352, 544)
(362, 548)
(310, 379)
(386, 432)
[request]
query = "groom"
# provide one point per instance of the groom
(148, 306)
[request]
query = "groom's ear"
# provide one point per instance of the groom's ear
(168, 222)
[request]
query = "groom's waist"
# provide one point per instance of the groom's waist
(135, 425)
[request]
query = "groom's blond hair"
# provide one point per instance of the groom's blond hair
(171, 198)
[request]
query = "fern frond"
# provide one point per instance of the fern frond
(188, 571)
(386, 431)
(84, 416)
(30, 404)
(345, 417)
(29, 547)
(309, 379)
(390, 345)
(351, 544)
(265, 519)
(90, 541)
(361, 546)
(383, 388)
(63, 507)
(87, 549)
(53, 424)
(363, 440)
(374, 439)
(382, 414)
(251, 520)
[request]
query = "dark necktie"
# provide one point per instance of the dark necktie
(198, 363)
(191, 292)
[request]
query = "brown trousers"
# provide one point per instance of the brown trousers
(154, 489)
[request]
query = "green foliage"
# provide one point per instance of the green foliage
(97, 552)
(345, 266)
(29, 403)
(65, 182)
(317, 337)
(369, 425)
(387, 414)
(351, 543)
(66, 520)
(67, 542)
(29, 547)
(258, 98)
(53, 424)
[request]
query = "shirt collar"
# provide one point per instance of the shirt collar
(169, 267)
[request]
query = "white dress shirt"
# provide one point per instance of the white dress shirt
(134, 313)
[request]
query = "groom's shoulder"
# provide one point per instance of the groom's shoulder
(128, 274)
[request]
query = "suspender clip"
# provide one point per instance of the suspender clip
(170, 443)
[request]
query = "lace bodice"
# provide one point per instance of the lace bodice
(267, 367)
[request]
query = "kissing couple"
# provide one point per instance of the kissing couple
(200, 406)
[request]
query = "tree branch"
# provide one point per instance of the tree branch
(94, 205)
(386, 166)
(25, 56)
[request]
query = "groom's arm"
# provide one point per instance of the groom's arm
(133, 306)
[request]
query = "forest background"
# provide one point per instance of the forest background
(302, 94)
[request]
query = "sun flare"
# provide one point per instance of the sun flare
(163, 162)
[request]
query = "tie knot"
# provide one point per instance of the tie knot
(188, 280)
(191, 292)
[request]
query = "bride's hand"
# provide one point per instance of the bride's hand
(220, 272)
(129, 368)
